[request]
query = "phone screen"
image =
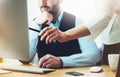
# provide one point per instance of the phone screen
(74, 73)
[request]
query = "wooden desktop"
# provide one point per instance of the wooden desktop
(58, 73)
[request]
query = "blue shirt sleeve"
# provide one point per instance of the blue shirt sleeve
(90, 53)
(33, 37)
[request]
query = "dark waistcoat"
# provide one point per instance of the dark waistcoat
(57, 48)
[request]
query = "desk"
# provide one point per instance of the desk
(59, 72)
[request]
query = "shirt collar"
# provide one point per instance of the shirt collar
(60, 17)
(57, 23)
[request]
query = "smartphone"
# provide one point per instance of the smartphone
(74, 73)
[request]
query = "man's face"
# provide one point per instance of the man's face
(51, 6)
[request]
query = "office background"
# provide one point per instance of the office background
(85, 9)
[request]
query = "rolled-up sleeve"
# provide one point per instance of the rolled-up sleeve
(101, 20)
(97, 25)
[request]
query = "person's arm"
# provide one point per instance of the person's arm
(33, 36)
(77, 32)
(95, 27)
(90, 55)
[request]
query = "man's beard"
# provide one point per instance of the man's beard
(54, 11)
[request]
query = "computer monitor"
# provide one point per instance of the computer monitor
(14, 36)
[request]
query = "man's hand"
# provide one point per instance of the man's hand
(50, 61)
(52, 33)
(46, 16)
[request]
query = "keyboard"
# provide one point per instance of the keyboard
(28, 69)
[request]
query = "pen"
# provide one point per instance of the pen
(34, 29)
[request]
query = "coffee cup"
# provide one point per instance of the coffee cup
(113, 61)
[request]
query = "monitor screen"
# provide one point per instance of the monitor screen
(14, 36)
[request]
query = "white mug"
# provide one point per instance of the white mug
(113, 61)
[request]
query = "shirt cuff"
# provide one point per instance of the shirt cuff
(66, 62)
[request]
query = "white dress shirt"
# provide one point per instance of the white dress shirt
(106, 23)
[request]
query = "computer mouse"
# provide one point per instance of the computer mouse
(96, 69)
